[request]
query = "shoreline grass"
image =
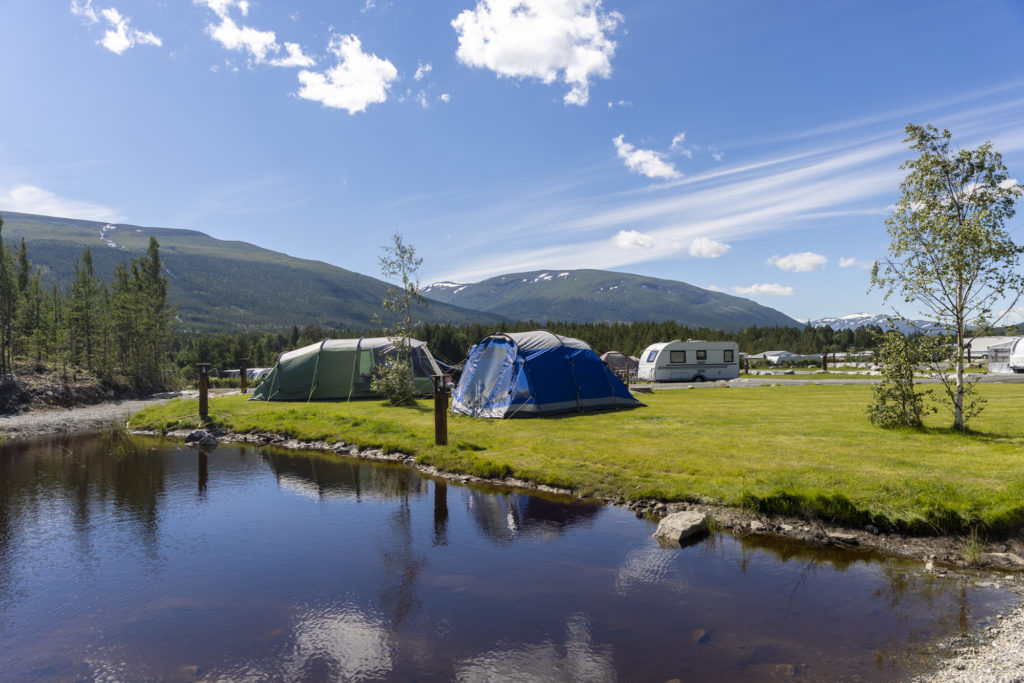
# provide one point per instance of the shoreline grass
(805, 450)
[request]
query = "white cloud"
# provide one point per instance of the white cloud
(702, 247)
(644, 161)
(358, 79)
(713, 288)
(243, 38)
(85, 11)
(295, 57)
(120, 36)
(32, 199)
(679, 146)
(445, 97)
(768, 288)
(221, 7)
(854, 262)
(620, 103)
(631, 239)
(260, 45)
(422, 70)
(804, 262)
(542, 39)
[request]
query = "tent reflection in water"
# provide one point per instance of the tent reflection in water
(530, 374)
(341, 369)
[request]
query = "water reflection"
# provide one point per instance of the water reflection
(128, 559)
(504, 517)
(576, 658)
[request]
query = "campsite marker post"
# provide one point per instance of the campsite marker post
(242, 373)
(204, 388)
(440, 411)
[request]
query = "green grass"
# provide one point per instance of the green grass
(807, 450)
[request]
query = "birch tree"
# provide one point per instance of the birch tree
(949, 254)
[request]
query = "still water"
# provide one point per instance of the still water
(140, 560)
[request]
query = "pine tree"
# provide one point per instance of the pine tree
(9, 298)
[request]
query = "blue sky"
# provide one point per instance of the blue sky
(744, 146)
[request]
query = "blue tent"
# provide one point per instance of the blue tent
(527, 374)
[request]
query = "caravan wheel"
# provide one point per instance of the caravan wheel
(698, 378)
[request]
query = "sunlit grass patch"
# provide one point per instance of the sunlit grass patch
(807, 450)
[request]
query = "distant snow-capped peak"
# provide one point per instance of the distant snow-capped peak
(854, 320)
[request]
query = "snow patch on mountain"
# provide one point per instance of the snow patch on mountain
(854, 320)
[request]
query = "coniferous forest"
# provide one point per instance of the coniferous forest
(118, 330)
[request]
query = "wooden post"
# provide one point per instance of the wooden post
(440, 411)
(243, 373)
(824, 361)
(204, 389)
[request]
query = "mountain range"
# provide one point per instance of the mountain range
(585, 295)
(230, 285)
(220, 285)
(855, 320)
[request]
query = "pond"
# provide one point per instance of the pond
(129, 559)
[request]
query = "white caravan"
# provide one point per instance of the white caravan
(1017, 356)
(689, 361)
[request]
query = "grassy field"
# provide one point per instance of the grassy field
(806, 450)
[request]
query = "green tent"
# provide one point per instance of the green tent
(340, 369)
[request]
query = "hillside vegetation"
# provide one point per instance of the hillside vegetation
(585, 296)
(219, 285)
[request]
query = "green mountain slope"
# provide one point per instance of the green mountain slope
(604, 296)
(220, 285)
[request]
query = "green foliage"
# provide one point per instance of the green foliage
(394, 380)
(972, 547)
(895, 402)
(949, 254)
(9, 298)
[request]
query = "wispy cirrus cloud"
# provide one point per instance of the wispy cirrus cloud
(547, 40)
(809, 183)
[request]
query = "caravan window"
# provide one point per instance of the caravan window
(702, 354)
(727, 356)
(651, 356)
(677, 356)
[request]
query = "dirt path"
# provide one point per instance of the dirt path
(67, 420)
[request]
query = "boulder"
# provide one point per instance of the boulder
(680, 526)
(201, 438)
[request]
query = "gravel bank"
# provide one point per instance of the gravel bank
(996, 656)
(68, 420)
